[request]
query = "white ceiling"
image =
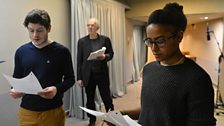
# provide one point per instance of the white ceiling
(197, 18)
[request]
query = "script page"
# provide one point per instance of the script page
(94, 55)
(28, 84)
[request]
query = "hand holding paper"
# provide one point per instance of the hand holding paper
(28, 84)
(48, 92)
(114, 117)
(97, 53)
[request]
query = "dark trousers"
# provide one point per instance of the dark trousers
(102, 82)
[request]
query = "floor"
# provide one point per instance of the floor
(130, 101)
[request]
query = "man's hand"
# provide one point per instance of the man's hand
(48, 92)
(80, 83)
(101, 57)
(15, 94)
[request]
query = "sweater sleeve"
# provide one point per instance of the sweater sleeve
(201, 102)
(109, 51)
(79, 60)
(17, 68)
(68, 78)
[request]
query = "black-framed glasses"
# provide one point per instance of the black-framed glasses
(160, 41)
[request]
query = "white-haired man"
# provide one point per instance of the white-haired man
(92, 73)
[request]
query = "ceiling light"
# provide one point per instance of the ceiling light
(205, 18)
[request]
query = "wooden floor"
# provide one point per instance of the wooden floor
(130, 101)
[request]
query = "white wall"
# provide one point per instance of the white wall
(13, 34)
(207, 52)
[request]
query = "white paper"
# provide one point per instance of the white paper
(114, 117)
(94, 55)
(131, 121)
(2, 61)
(28, 84)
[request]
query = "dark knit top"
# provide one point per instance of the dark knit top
(179, 95)
(52, 65)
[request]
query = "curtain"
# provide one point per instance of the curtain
(111, 17)
(139, 52)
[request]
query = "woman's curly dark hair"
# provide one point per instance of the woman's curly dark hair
(172, 14)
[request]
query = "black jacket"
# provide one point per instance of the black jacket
(84, 49)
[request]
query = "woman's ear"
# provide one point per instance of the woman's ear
(49, 29)
(180, 36)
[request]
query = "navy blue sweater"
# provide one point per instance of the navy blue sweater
(52, 65)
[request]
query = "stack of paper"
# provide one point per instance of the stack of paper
(94, 55)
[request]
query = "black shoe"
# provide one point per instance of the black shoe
(91, 124)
